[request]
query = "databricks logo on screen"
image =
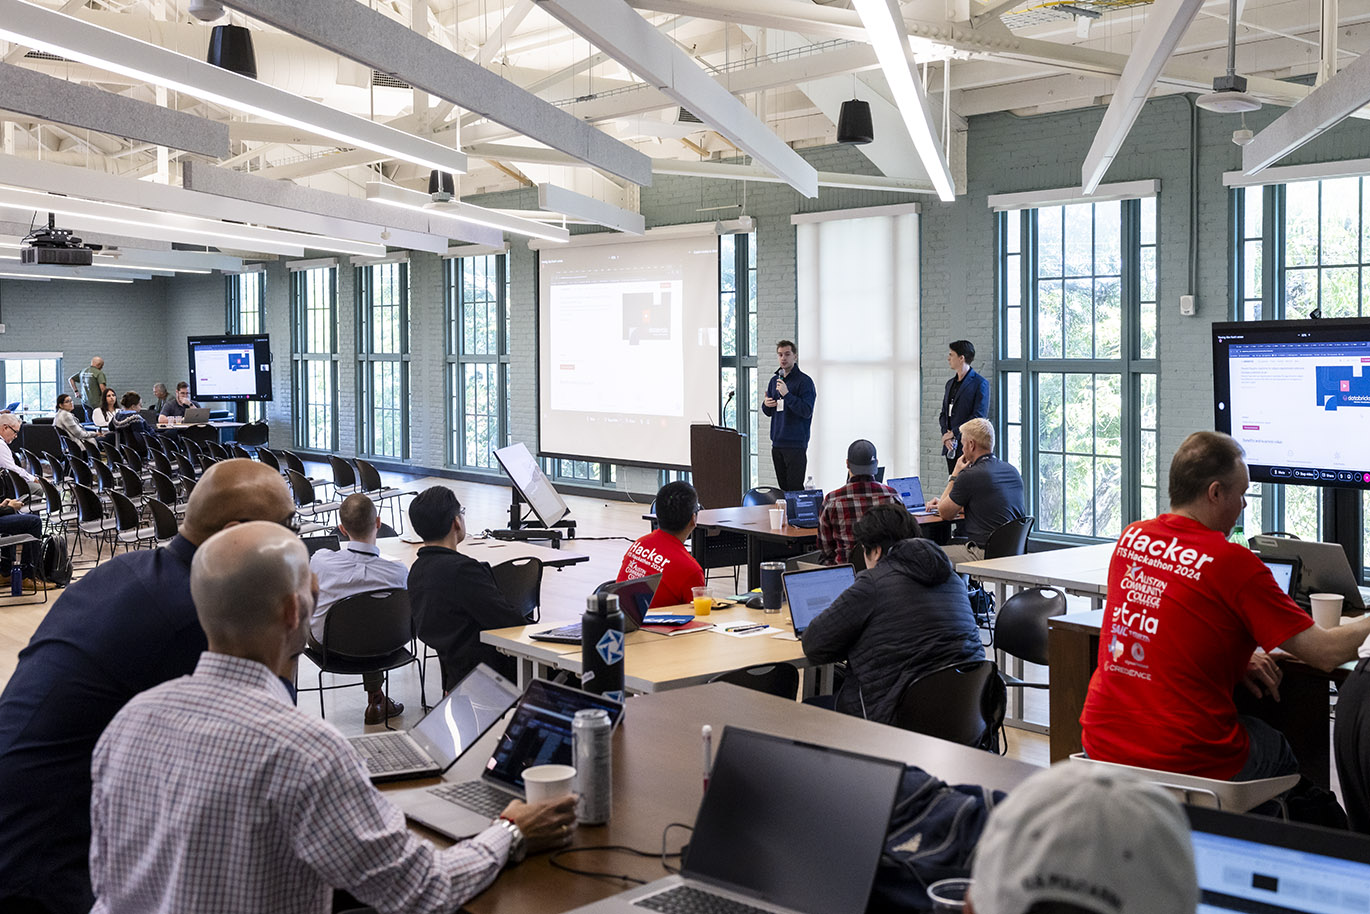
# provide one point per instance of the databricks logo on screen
(239, 361)
(1339, 385)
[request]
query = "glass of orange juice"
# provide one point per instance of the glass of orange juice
(703, 600)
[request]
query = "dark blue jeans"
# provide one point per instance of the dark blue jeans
(1269, 755)
(12, 525)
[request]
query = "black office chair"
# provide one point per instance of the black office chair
(520, 580)
(344, 477)
(780, 679)
(1010, 539)
(164, 522)
(167, 493)
(268, 457)
(253, 435)
(1021, 629)
(129, 528)
(366, 633)
(306, 505)
(91, 521)
(963, 703)
(762, 495)
(369, 479)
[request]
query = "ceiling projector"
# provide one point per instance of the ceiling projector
(54, 246)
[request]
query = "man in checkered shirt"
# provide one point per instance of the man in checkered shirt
(213, 792)
(843, 507)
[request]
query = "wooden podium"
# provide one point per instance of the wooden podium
(716, 462)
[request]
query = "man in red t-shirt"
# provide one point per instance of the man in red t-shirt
(1186, 613)
(663, 550)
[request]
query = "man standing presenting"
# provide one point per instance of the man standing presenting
(93, 384)
(843, 507)
(987, 489)
(663, 550)
(966, 397)
(1186, 613)
(789, 400)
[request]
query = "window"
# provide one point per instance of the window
(582, 472)
(1078, 380)
(478, 359)
(244, 293)
(33, 380)
(383, 359)
(314, 346)
(737, 343)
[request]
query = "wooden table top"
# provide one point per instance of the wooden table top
(1082, 569)
(488, 550)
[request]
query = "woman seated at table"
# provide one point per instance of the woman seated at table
(100, 416)
(906, 615)
(128, 424)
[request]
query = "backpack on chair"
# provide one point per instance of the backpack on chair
(54, 563)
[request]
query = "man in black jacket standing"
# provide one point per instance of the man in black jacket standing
(789, 400)
(966, 397)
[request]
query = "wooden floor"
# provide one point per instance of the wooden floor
(604, 528)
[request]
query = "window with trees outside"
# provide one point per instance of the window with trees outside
(737, 343)
(244, 294)
(1301, 247)
(477, 359)
(383, 359)
(33, 380)
(313, 350)
(1077, 376)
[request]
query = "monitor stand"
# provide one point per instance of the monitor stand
(520, 528)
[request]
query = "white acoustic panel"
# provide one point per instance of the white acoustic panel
(560, 200)
(1324, 108)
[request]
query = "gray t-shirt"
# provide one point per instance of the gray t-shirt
(991, 493)
(93, 382)
(174, 409)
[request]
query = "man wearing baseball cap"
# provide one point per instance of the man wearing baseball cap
(1071, 840)
(843, 507)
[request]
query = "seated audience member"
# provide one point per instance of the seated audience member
(159, 393)
(128, 424)
(1351, 742)
(101, 416)
(9, 430)
(454, 597)
(176, 409)
(356, 568)
(843, 507)
(907, 614)
(1186, 613)
(987, 489)
(663, 550)
(123, 627)
(13, 522)
(214, 792)
(1068, 841)
(66, 423)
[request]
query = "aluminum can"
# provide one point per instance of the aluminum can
(591, 734)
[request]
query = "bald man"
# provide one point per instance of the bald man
(91, 383)
(215, 793)
(126, 626)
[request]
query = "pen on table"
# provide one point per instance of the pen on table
(743, 629)
(707, 735)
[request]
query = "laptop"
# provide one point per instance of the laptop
(785, 826)
(437, 741)
(1253, 863)
(812, 590)
(539, 733)
(195, 415)
(1324, 567)
(1285, 569)
(910, 492)
(802, 507)
(634, 596)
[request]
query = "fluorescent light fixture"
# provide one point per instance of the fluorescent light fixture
(1325, 107)
(394, 195)
(1164, 27)
(890, 39)
(36, 27)
(560, 200)
(45, 277)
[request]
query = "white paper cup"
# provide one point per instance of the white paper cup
(777, 518)
(1326, 609)
(547, 782)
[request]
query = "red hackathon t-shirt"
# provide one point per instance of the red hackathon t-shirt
(1186, 610)
(661, 553)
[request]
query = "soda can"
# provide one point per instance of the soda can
(590, 733)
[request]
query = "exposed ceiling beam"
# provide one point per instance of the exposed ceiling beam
(513, 18)
(560, 200)
(1325, 107)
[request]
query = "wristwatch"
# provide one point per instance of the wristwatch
(518, 848)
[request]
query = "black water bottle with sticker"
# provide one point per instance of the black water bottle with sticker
(601, 646)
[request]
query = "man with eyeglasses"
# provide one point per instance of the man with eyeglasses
(127, 625)
(663, 550)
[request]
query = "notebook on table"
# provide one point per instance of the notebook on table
(539, 733)
(910, 492)
(436, 742)
(785, 826)
(634, 596)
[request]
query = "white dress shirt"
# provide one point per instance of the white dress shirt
(7, 462)
(214, 793)
(353, 569)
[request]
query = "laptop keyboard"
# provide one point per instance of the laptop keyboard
(473, 795)
(683, 899)
(386, 753)
(566, 631)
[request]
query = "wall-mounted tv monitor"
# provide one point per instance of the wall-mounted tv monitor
(230, 367)
(1296, 396)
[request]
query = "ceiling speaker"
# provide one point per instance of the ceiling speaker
(854, 123)
(230, 48)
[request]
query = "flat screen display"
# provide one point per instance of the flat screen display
(1296, 396)
(523, 471)
(230, 367)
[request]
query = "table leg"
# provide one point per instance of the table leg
(753, 562)
(1072, 655)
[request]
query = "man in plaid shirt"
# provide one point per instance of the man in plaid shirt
(843, 507)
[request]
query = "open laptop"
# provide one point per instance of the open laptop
(802, 507)
(785, 826)
(195, 415)
(1285, 570)
(910, 492)
(1325, 568)
(1254, 863)
(539, 733)
(437, 741)
(634, 596)
(812, 590)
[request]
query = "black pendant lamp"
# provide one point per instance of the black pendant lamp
(441, 186)
(230, 48)
(854, 123)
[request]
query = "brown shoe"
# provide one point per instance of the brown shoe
(34, 584)
(378, 711)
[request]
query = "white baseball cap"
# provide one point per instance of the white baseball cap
(1104, 841)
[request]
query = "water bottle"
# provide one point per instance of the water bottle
(1238, 537)
(808, 483)
(601, 646)
(16, 581)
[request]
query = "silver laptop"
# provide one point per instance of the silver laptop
(436, 742)
(910, 492)
(813, 590)
(784, 827)
(634, 597)
(1325, 568)
(195, 415)
(539, 733)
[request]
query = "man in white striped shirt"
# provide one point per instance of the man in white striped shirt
(213, 792)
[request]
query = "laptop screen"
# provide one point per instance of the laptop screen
(635, 595)
(464, 714)
(799, 825)
(809, 592)
(802, 507)
(1251, 863)
(910, 492)
(540, 731)
(1283, 570)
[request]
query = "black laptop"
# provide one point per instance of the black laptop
(634, 596)
(802, 507)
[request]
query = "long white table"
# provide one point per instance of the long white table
(488, 550)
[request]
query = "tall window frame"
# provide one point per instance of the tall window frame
(32, 379)
(244, 312)
(383, 360)
(737, 344)
(1078, 372)
(314, 357)
(477, 345)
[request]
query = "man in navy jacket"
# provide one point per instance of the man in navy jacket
(790, 396)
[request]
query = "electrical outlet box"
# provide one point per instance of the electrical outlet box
(1187, 305)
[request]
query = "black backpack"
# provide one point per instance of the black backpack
(54, 562)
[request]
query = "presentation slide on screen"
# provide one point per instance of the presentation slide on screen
(628, 348)
(228, 370)
(1302, 406)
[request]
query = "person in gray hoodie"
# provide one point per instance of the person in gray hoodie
(907, 614)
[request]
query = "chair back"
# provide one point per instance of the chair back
(187, 485)
(763, 495)
(293, 462)
(1020, 628)
(254, 434)
(520, 580)
(108, 447)
(206, 461)
(237, 451)
(104, 475)
(184, 467)
(81, 472)
(370, 624)
(133, 483)
(218, 450)
(58, 466)
(1233, 796)
(79, 410)
(88, 506)
(131, 457)
(53, 497)
(161, 463)
(301, 488)
(1010, 539)
(780, 679)
(165, 488)
(344, 477)
(954, 703)
(163, 519)
(268, 457)
(369, 476)
(125, 512)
